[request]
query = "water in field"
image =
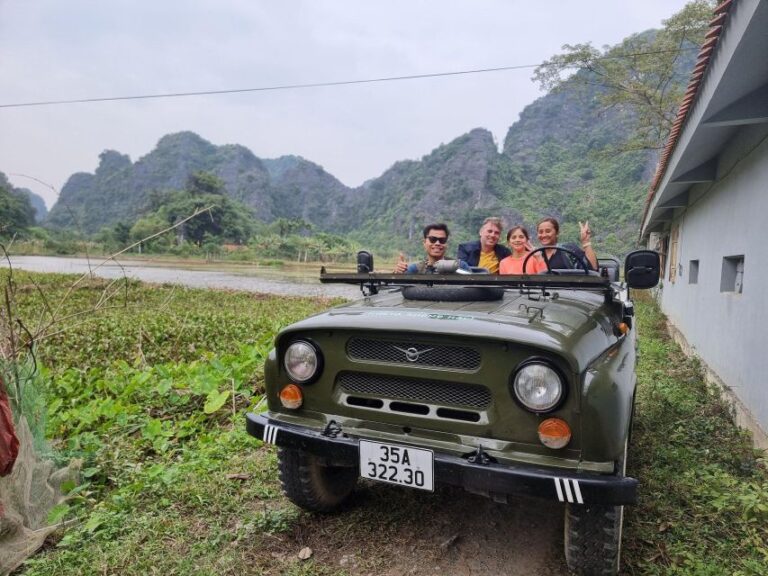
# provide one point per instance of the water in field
(290, 279)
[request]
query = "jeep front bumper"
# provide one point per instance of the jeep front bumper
(488, 478)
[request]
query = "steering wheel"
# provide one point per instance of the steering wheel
(546, 260)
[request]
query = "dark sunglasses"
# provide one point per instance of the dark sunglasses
(437, 239)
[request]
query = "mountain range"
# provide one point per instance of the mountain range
(551, 164)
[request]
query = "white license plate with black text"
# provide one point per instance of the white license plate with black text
(402, 465)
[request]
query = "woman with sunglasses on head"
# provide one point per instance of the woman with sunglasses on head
(435, 243)
(548, 230)
(519, 241)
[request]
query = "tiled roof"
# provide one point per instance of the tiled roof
(702, 63)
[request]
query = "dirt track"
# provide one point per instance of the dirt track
(390, 531)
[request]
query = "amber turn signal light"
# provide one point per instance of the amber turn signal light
(623, 327)
(554, 433)
(291, 397)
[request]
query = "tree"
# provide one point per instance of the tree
(122, 233)
(646, 73)
(148, 226)
(16, 211)
(223, 220)
(287, 226)
(201, 182)
(226, 220)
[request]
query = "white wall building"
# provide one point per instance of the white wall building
(707, 210)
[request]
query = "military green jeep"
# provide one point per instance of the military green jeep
(504, 385)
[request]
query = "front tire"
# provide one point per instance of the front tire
(593, 538)
(312, 484)
(593, 534)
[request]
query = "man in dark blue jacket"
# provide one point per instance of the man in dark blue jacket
(486, 252)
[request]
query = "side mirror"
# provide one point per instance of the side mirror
(364, 262)
(641, 269)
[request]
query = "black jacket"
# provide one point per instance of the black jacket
(470, 252)
(564, 260)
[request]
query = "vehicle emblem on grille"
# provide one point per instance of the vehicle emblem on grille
(412, 354)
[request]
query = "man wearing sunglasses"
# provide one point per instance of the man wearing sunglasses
(486, 252)
(435, 243)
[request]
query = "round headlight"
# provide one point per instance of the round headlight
(538, 387)
(302, 361)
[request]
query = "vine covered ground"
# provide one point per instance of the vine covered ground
(150, 393)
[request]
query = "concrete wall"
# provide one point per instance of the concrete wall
(729, 217)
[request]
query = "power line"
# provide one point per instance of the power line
(315, 84)
(265, 88)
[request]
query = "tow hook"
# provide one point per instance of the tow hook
(480, 457)
(332, 430)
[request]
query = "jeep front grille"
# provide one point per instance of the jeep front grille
(415, 390)
(414, 353)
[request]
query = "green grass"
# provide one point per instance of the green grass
(703, 505)
(151, 395)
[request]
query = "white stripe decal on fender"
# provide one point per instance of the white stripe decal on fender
(568, 494)
(572, 490)
(559, 490)
(270, 434)
(577, 491)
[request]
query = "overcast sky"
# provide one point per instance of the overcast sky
(55, 50)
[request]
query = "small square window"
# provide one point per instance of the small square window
(693, 272)
(732, 277)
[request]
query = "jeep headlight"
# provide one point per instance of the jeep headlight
(302, 361)
(538, 387)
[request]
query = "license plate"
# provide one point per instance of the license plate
(402, 465)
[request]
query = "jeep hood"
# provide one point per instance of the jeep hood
(573, 324)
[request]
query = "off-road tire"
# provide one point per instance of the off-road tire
(593, 533)
(453, 294)
(593, 539)
(311, 484)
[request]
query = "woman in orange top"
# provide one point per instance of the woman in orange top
(519, 242)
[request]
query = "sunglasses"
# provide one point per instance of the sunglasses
(437, 239)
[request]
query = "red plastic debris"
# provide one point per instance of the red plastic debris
(9, 442)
